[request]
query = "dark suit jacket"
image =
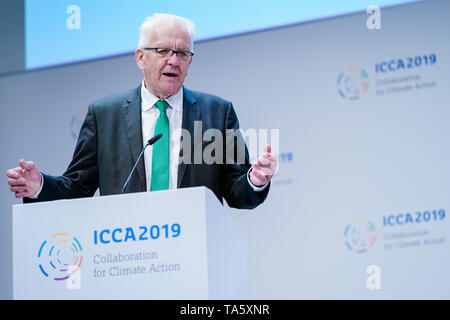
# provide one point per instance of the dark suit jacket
(110, 142)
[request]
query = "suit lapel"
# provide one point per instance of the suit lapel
(191, 113)
(133, 123)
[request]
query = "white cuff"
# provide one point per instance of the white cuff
(257, 189)
(40, 189)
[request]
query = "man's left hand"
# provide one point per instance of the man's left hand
(264, 168)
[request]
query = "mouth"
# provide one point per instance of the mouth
(170, 74)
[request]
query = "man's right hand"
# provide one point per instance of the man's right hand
(25, 180)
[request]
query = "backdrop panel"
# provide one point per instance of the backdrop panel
(363, 120)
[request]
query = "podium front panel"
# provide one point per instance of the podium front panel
(133, 246)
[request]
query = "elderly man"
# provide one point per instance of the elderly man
(116, 129)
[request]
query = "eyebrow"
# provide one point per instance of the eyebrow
(162, 45)
(168, 47)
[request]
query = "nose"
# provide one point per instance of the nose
(173, 58)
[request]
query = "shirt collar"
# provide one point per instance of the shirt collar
(148, 99)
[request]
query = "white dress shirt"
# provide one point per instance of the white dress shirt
(150, 114)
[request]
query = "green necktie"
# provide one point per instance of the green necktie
(160, 153)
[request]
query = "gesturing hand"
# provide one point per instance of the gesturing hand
(264, 168)
(25, 180)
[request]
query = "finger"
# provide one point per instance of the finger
(19, 189)
(257, 179)
(12, 173)
(274, 166)
(266, 172)
(271, 157)
(267, 148)
(267, 161)
(17, 182)
(256, 163)
(264, 162)
(27, 165)
(267, 156)
(262, 173)
(21, 194)
(258, 168)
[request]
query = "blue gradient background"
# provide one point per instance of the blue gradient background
(110, 27)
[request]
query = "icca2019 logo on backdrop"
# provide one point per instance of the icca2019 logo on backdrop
(60, 257)
(360, 235)
(353, 83)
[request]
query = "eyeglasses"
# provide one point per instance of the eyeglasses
(164, 52)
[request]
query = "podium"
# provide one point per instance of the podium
(175, 244)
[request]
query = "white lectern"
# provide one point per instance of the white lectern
(176, 244)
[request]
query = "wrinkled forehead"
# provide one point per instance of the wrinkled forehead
(170, 36)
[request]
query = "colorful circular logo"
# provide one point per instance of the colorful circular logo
(60, 256)
(353, 83)
(360, 235)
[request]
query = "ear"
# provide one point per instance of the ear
(139, 55)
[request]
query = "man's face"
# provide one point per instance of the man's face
(164, 76)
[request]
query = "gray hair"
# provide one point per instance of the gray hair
(147, 27)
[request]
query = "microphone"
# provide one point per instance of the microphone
(149, 143)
